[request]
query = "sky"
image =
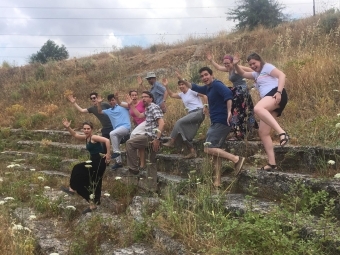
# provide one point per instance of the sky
(87, 27)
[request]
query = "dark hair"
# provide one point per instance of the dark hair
(181, 82)
(133, 90)
(149, 94)
(110, 96)
(255, 56)
(205, 69)
(93, 94)
(88, 123)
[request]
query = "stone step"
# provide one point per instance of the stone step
(276, 185)
(45, 134)
(301, 158)
(54, 148)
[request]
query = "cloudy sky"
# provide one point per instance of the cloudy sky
(86, 27)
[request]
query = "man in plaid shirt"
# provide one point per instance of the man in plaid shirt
(153, 131)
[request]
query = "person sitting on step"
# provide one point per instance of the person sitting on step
(120, 120)
(138, 122)
(154, 126)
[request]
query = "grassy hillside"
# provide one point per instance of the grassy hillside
(306, 50)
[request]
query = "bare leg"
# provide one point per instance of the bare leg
(221, 153)
(218, 154)
(264, 109)
(264, 133)
(217, 171)
(141, 153)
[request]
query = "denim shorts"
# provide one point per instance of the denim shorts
(217, 133)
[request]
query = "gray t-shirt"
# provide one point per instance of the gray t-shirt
(103, 118)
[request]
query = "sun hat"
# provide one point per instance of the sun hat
(150, 75)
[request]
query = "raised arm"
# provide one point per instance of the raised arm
(171, 94)
(180, 78)
(246, 68)
(210, 58)
(67, 125)
(99, 104)
(140, 84)
(72, 99)
(122, 104)
(240, 70)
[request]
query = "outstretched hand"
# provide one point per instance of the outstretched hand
(99, 99)
(165, 82)
(128, 99)
(179, 76)
(139, 80)
(210, 57)
(71, 98)
(236, 58)
(66, 123)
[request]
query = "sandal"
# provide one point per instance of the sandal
(270, 169)
(285, 140)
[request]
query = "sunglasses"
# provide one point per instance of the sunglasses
(93, 98)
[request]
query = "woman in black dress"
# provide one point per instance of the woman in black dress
(86, 177)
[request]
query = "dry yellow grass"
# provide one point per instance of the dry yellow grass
(302, 49)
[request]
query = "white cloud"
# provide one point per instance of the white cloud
(103, 18)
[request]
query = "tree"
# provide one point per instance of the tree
(49, 51)
(253, 13)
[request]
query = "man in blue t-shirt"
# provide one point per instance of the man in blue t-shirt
(120, 119)
(220, 101)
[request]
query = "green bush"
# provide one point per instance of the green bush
(330, 21)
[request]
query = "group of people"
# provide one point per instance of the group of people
(230, 109)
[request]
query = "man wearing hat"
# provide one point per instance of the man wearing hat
(157, 89)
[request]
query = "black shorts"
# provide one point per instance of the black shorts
(283, 102)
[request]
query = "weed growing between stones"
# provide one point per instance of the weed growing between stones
(14, 238)
(122, 192)
(141, 231)
(89, 234)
